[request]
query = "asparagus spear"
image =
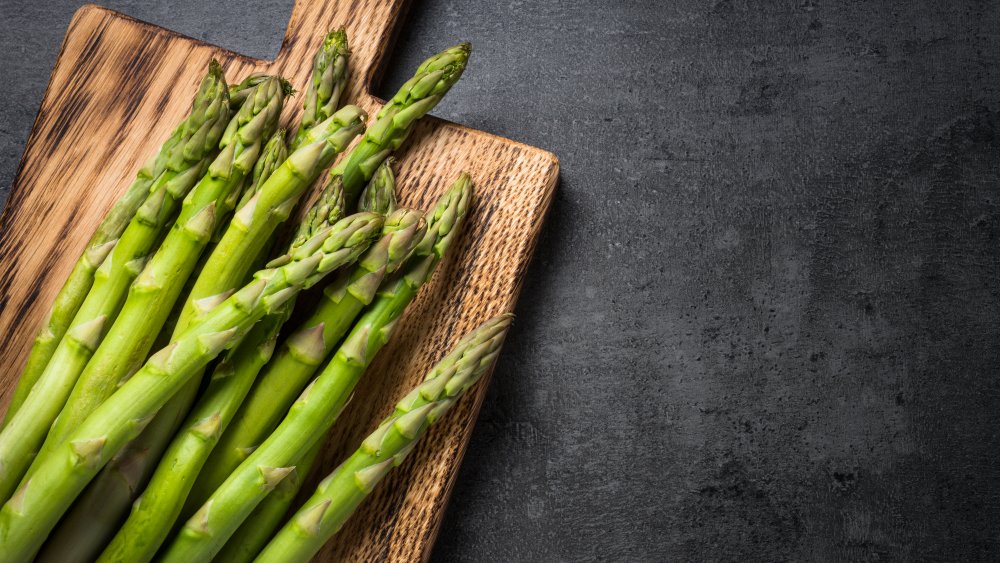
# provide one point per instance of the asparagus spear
(257, 529)
(81, 278)
(31, 513)
(315, 411)
(155, 291)
(379, 196)
(245, 242)
(302, 354)
(419, 95)
(184, 164)
(272, 155)
(339, 495)
(154, 514)
(255, 222)
(96, 516)
(329, 80)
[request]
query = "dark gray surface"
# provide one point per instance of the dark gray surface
(762, 321)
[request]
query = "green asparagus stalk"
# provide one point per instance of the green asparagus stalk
(26, 430)
(443, 223)
(379, 196)
(339, 495)
(33, 511)
(257, 529)
(305, 350)
(418, 96)
(97, 514)
(274, 153)
(154, 514)
(155, 291)
(81, 278)
(315, 411)
(297, 172)
(246, 242)
(329, 80)
(255, 222)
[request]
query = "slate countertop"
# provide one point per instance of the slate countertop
(762, 321)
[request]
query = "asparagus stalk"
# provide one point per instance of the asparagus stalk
(339, 495)
(303, 352)
(32, 512)
(257, 529)
(329, 80)
(81, 278)
(444, 222)
(415, 98)
(273, 154)
(307, 348)
(379, 196)
(245, 242)
(96, 516)
(184, 164)
(155, 291)
(315, 411)
(154, 514)
(255, 222)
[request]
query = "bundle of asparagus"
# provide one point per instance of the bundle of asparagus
(209, 456)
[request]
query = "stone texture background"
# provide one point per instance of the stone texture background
(762, 322)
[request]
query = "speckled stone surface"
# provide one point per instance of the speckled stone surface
(762, 323)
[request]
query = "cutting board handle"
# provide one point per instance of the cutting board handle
(370, 24)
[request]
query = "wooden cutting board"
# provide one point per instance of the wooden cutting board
(118, 87)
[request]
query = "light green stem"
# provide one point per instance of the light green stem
(339, 495)
(28, 517)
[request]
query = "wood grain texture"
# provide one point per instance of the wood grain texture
(116, 90)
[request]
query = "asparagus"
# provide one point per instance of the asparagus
(339, 495)
(158, 507)
(419, 95)
(96, 516)
(299, 358)
(272, 155)
(244, 244)
(328, 82)
(184, 164)
(257, 529)
(315, 411)
(379, 196)
(39, 502)
(81, 278)
(255, 222)
(154, 292)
